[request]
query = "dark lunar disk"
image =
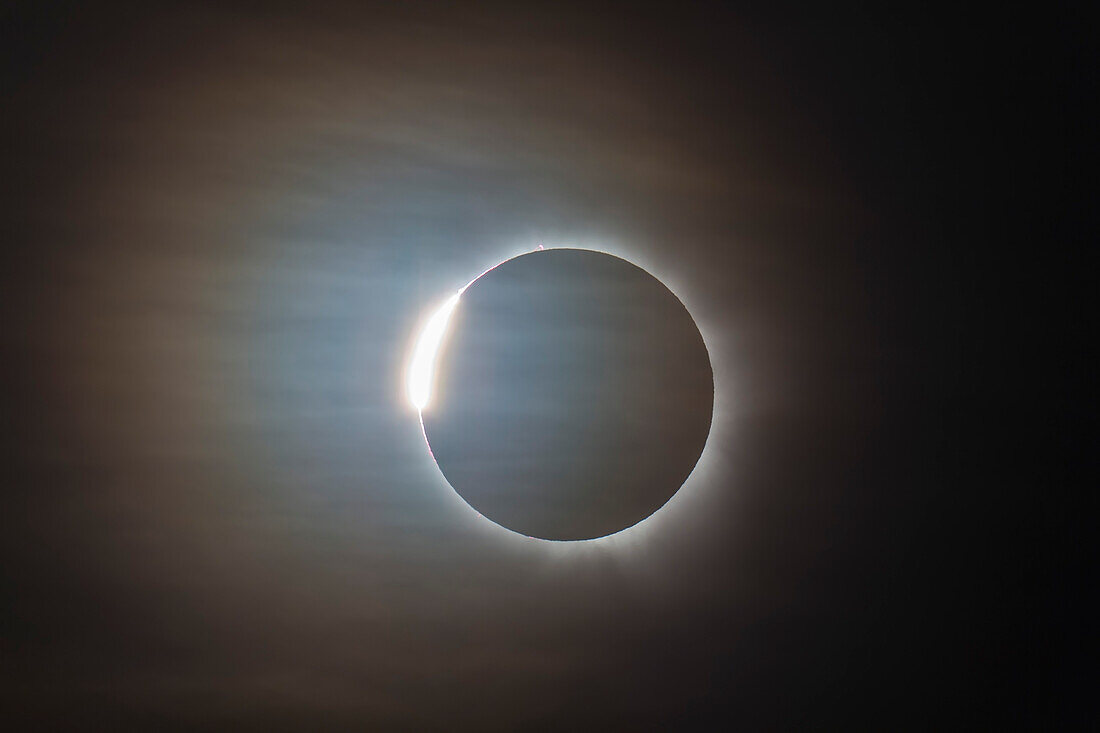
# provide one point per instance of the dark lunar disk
(573, 395)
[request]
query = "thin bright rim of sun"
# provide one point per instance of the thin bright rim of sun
(421, 375)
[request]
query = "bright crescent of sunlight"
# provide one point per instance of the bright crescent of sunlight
(421, 374)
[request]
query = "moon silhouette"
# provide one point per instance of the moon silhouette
(571, 394)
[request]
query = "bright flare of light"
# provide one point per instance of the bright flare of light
(422, 367)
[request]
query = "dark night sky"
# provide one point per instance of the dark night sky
(223, 222)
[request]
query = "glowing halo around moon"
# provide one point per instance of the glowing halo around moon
(421, 380)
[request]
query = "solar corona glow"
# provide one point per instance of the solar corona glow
(565, 394)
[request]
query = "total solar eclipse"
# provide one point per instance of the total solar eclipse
(565, 394)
